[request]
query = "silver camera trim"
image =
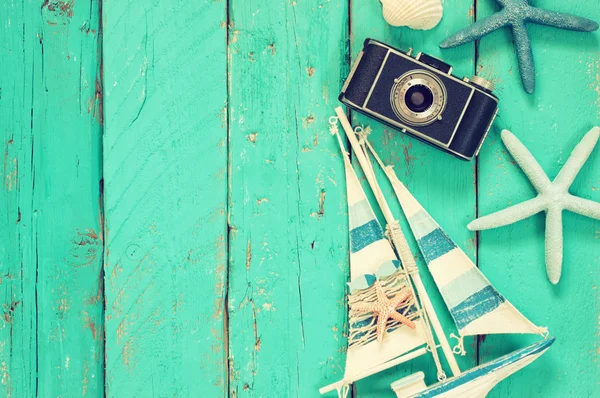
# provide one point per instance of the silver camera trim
(418, 77)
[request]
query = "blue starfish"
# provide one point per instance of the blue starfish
(516, 14)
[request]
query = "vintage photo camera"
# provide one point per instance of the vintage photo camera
(420, 96)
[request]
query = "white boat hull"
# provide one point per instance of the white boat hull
(478, 381)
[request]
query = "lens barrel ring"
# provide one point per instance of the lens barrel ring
(418, 97)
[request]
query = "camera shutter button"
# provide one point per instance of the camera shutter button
(483, 83)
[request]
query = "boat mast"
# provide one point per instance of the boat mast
(400, 243)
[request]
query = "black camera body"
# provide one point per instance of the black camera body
(420, 96)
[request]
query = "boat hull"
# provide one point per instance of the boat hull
(478, 381)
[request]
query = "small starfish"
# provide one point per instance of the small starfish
(516, 14)
(385, 309)
(553, 197)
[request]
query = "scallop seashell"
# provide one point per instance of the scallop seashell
(416, 14)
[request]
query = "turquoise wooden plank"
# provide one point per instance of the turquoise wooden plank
(18, 332)
(445, 186)
(51, 334)
(550, 123)
(288, 214)
(165, 167)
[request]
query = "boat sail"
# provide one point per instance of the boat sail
(475, 305)
(373, 263)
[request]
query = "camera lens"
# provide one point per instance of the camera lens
(419, 98)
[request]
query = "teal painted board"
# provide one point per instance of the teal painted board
(550, 123)
(18, 330)
(165, 168)
(445, 186)
(288, 255)
(51, 255)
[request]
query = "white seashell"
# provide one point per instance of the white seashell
(416, 14)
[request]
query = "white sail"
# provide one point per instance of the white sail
(475, 305)
(369, 249)
(372, 258)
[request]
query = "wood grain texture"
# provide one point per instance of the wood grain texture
(165, 167)
(288, 214)
(445, 186)
(51, 252)
(223, 226)
(566, 104)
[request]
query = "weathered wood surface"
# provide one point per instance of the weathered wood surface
(165, 203)
(288, 229)
(212, 259)
(51, 332)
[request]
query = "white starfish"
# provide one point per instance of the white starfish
(553, 197)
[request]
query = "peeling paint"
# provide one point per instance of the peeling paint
(252, 137)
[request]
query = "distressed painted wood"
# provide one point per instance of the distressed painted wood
(165, 168)
(443, 185)
(51, 332)
(222, 228)
(288, 254)
(566, 104)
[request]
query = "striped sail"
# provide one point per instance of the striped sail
(371, 258)
(369, 248)
(475, 305)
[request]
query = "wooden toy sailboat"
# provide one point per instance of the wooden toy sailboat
(391, 317)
